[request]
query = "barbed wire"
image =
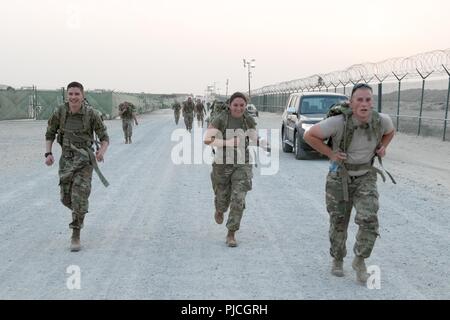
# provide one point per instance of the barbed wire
(436, 63)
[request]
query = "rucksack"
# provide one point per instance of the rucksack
(88, 115)
(346, 111)
(128, 113)
(372, 129)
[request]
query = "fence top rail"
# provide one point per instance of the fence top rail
(436, 63)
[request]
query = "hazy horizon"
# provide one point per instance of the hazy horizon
(182, 47)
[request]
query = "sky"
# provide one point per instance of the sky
(176, 46)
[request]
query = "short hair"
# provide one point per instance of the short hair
(237, 95)
(360, 86)
(75, 84)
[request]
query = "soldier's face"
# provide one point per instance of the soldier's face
(75, 97)
(237, 107)
(362, 103)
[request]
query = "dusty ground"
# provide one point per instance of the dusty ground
(151, 234)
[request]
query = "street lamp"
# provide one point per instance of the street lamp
(210, 90)
(249, 64)
(226, 92)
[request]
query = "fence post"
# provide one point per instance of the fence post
(380, 92)
(398, 97)
(446, 105)
(380, 95)
(264, 101)
(421, 98)
(35, 103)
(334, 85)
(343, 84)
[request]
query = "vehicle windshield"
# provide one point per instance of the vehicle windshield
(319, 104)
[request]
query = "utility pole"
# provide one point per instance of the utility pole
(226, 92)
(249, 64)
(209, 92)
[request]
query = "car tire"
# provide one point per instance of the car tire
(300, 153)
(286, 147)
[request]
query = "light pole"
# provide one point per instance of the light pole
(249, 64)
(226, 92)
(209, 92)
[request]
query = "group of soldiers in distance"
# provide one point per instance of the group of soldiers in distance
(190, 111)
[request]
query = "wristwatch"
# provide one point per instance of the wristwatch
(47, 154)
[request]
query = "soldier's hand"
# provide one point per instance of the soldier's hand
(99, 156)
(233, 142)
(49, 160)
(338, 156)
(381, 151)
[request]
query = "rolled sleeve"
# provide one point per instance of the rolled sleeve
(52, 126)
(100, 128)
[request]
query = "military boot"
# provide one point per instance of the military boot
(126, 140)
(338, 268)
(361, 271)
(218, 216)
(75, 242)
(231, 241)
(129, 140)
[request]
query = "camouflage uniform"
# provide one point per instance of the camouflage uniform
(359, 144)
(127, 118)
(363, 195)
(200, 112)
(217, 108)
(188, 114)
(76, 162)
(231, 181)
(176, 111)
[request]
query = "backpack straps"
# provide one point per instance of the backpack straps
(83, 150)
(63, 116)
(87, 118)
(345, 142)
(348, 131)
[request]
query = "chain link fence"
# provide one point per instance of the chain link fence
(413, 90)
(31, 103)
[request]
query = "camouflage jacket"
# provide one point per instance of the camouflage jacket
(92, 122)
(188, 107)
(176, 106)
(232, 155)
(199, 108)
(128, 110)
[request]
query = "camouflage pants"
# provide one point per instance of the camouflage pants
(230, 184)
(75, 176)
(188, 119)
(177, 117)
(127, 126)
(200, 119)
(363, 195)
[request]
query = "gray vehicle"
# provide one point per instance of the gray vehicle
(302, 111)
(251, 108)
